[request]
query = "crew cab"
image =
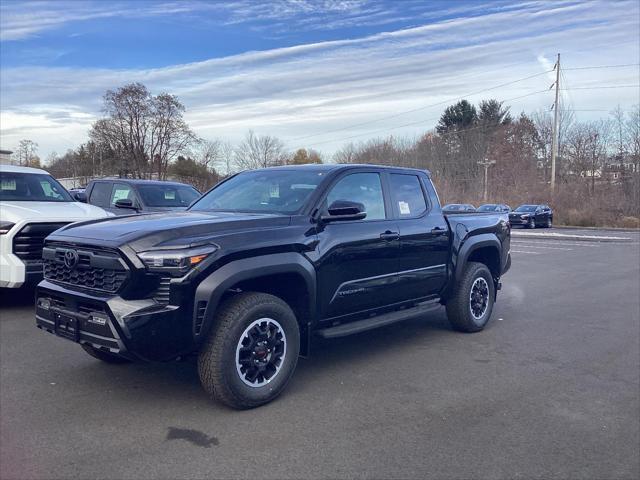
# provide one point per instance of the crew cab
(263, 262)
(123, 196)
(32, 205)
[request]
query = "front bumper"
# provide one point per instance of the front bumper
(14, 272)
(135, 329)
(519, 221)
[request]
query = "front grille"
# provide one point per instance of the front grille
(96, 269)
(28, 242)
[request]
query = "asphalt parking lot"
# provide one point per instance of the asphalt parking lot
(551, 389)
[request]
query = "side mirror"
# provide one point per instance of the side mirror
(343, 210)
(80, 197)
(125, 203)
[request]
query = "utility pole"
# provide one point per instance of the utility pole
(554, 136)
(486, 163)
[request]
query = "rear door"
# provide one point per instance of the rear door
(100, 193)
(424, 238)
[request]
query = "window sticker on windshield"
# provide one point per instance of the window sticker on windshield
(404, 208)
(274, 190)
(120, 194)
(9, 184)
(170, 195)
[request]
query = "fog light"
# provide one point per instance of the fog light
(44, 303)
(98, 318)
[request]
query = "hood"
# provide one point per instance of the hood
(49, 211)
(166, 230)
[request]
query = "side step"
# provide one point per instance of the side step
(377, 321)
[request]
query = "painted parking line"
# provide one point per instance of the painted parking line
(542, 246)
(562, 243)
(525, 251)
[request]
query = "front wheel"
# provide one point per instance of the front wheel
(251, 352)
(549, 222)
(532, 223)
(470, 307)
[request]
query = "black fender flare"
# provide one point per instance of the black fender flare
(465, 249)
(213, 287)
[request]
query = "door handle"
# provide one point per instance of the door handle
(438, 231)
(389, 235)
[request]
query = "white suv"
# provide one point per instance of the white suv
(32, 205)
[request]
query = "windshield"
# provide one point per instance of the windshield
(488, 208)
(526, 208)
(262, 191)
(167, 195)
(31, 187)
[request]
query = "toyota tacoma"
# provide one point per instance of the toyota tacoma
(263, 262)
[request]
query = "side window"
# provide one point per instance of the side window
(100, 194)
(364, 188)
(407, 195)
(121, 191)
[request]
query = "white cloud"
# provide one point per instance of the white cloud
(308, 89)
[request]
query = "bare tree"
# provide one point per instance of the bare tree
(257, 151)
(346, 154)
(144, 131)
(26, 152)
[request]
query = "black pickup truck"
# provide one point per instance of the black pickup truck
(264, 261)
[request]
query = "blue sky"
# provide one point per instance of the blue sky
(300, 68)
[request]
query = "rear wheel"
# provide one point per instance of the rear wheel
(251, 352)
(106, 357)
(470, 307)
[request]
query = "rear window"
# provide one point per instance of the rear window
(167, 195)
(31, 187)
(407, 195)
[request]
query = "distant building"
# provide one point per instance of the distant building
(5, 156)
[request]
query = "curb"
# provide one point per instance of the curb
(565, 236)
(615, 229)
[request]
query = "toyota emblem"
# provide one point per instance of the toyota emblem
(71, 259)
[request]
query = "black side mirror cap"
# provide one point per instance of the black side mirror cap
(80, 197)
(343, 210)
(125, 203)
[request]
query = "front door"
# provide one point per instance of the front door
(358, 260)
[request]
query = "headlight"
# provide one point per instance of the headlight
(176, 262)
(524, 216)
(5, 227)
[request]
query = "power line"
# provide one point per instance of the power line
(622, 65)
(602, 86)
(419, 108)
(419, 122)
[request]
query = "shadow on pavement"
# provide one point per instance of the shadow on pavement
(17, 297)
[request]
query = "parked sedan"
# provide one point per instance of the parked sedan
(494, 207)
(532, 216)
(458, 208)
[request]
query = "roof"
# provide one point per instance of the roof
(6, 152)
(17, 169)
(138, 181)
(324, 167)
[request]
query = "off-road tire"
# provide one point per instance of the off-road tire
(104, 356)
(217, 358)
(459, 305)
